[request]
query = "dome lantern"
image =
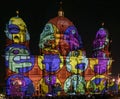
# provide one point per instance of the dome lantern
(17, 12)
(60, 11)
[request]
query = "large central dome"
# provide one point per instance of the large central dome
(60, 36)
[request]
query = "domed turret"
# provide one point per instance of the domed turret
(101, 43)
(101, 52)
(16, 30)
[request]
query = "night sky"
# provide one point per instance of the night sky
(86, 15)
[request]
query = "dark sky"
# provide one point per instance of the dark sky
(87, 16)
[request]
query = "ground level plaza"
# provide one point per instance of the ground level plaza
(94, 96)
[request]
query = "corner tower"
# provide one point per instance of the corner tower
(18, 59)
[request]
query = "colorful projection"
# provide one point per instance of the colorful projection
(97, 84)
(48, 84)
(102, 66)
(19, 85)
(50, 79)
(53, 38)
(16, 30)
(62, 67)
(50, 62)
(18, 58)
(101, 39)
(76, 62)
(73, 39)
(101, 52)
(75, 84)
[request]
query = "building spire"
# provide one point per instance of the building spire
(60, 11)
(17, 12)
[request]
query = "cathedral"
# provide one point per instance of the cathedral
(61, 68)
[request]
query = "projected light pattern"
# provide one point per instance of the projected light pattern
(18, 58)
(48, 83)
(97, 83)
(62, 60)
(76, 62)
(19, 85)
(51, 62)
(101, 51)
(53, 38)
(102, 66)
(72, 38)
(50, 79)
(75, 83)
(47, 35)
(101, 62)
(101, 40)
(16, 30)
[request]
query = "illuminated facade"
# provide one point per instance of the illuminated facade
(62, 67)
